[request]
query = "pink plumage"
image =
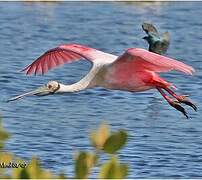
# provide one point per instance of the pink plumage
(133, 71)
(58, 56)
(140, 59)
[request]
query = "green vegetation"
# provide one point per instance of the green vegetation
(105, 143)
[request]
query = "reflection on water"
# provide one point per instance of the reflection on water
(162, 143)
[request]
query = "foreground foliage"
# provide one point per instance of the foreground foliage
(105, 144)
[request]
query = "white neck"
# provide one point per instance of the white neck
(70, 88)
(86, 82)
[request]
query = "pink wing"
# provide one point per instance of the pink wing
(60, 55)
(140, 59)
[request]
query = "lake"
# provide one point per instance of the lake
(162, 142)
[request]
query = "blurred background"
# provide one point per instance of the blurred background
(162, 143)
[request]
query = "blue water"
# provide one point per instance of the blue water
(162, 142)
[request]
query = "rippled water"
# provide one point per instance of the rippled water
(162, 143)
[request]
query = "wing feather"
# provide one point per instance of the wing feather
(141, 59)
(150, 28)
(66, 53)
(45, 65)
(38, 69)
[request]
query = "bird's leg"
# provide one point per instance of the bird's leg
(182, 99)
(173, 103)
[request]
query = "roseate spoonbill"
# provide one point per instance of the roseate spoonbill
(135, 70)
(157, 44)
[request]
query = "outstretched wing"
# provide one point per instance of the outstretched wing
(66, 53)
(150, 29)
(141, 59)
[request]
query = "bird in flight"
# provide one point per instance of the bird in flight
(135, 70)
(157, 43)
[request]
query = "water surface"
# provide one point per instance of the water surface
(162, 143)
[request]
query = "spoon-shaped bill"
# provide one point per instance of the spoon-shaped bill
(42, 91)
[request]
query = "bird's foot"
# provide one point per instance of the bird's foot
(183, 99)
(176, 105)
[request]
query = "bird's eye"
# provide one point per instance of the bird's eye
(49, 86)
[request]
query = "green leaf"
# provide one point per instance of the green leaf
(81, 166)
(33, 168)
(36, 172)
(6, 157)
(4, 135)
(115, 142)
(113, 169)
(99, 136)
(24, 174)
(84, 163)
(62, 176)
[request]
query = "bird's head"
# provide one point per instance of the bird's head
(51, 87)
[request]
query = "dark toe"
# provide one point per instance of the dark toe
(189, 103)
(177, 106)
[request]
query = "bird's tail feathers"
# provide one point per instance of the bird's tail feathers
(166, 36)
